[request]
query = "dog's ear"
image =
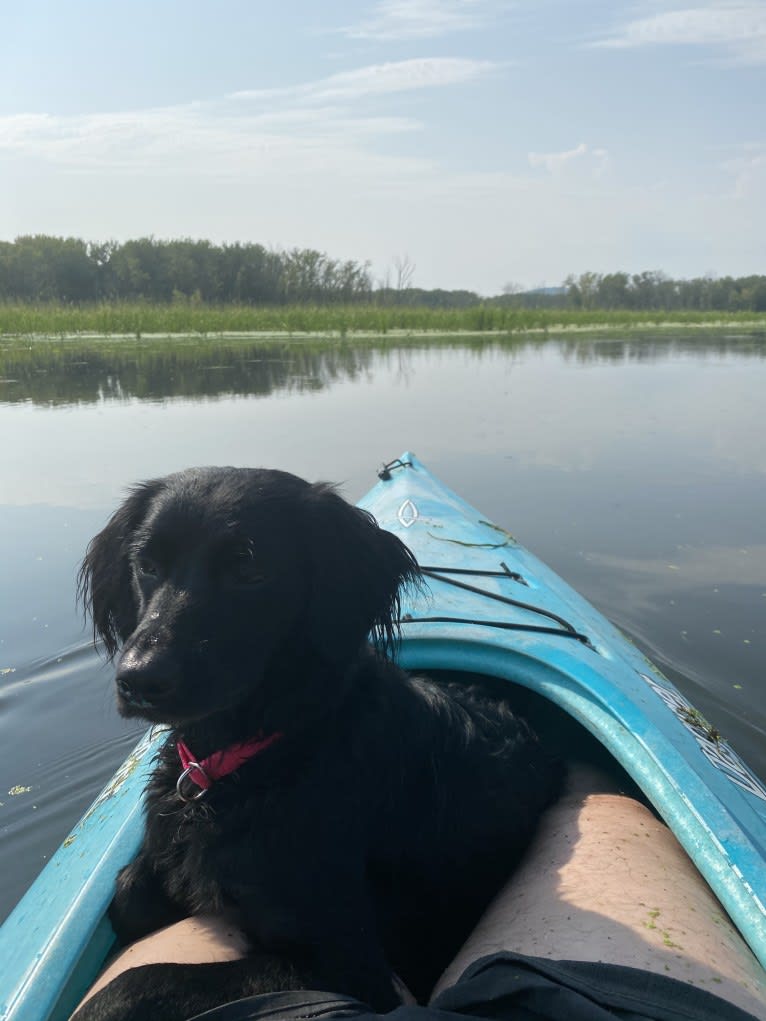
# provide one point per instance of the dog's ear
(357, 570)
(104, 584)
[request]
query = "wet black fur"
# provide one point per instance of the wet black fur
(370, 837)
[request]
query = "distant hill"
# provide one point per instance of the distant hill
(548, 291)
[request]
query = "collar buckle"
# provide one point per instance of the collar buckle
(201, 792)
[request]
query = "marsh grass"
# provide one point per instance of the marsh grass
(139, 318)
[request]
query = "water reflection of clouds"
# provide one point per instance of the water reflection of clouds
(685, 409)
(692, 567)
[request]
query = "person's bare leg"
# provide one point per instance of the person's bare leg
(203, 939)
(606, 881)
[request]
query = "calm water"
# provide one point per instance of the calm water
(636, 469)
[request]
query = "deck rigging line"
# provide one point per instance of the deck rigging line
(565, 630)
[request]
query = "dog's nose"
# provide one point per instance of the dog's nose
(126, 691)
(130, 696)
(144, 675)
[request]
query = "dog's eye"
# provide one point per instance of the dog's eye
(242, 570)
(146, 567)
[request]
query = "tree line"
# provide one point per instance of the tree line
(41, 268)
(655, 290)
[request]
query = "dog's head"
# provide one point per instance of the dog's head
(208, 580)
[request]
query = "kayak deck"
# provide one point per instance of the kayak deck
(706, 794)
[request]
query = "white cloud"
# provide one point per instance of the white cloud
(593, 161)
(313, 125)
(554, 161)
(421, 19)
(738, 28)
(748, 171)
(379, 79)
(203, 139)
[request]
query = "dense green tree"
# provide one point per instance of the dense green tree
(42, 268)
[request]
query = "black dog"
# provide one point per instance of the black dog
(357, 820)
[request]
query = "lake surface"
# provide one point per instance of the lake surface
(635, 467)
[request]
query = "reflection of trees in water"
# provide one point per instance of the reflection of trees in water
(647, 349)
(75, 372)
(68, 373)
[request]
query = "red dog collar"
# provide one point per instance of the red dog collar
(204, 774)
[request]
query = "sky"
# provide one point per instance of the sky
(485, 144)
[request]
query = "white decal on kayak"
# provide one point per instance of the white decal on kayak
(407, 514)
(712, 745)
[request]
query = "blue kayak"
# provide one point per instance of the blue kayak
(490, 608)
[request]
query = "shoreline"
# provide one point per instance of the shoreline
(400, 333)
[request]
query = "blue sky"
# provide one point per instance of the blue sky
(487, 141)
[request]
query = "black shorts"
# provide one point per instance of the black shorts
(512, 987)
